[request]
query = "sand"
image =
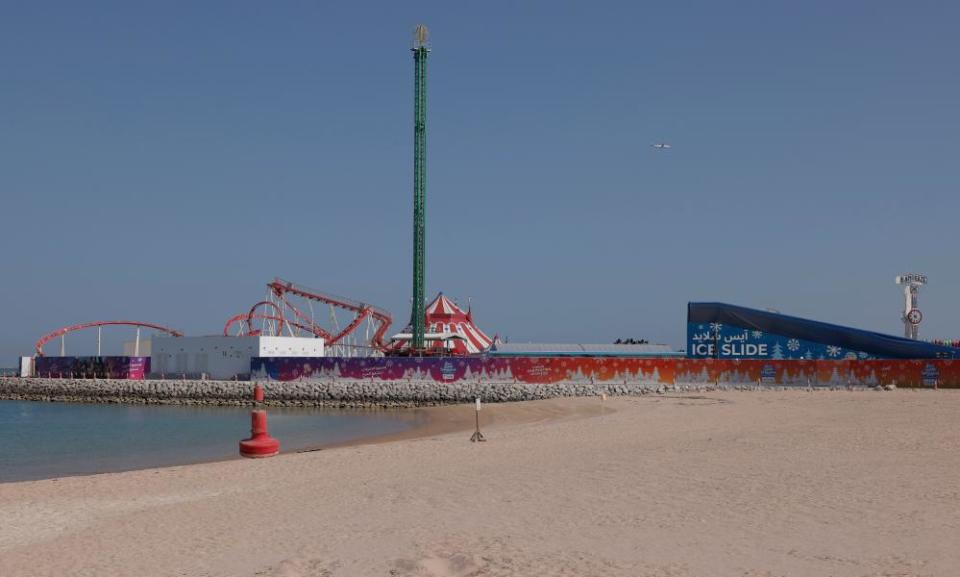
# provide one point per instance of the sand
(727, 484)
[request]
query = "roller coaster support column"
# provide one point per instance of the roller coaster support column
(420, 51)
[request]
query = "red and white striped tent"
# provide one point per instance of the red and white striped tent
(448, 330)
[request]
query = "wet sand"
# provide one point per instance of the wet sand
(735, 483)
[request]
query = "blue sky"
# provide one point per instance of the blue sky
(163, 161)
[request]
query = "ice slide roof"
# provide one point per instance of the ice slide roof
(878, 344)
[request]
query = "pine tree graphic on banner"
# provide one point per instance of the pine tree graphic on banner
(655, 376)
(777, 351)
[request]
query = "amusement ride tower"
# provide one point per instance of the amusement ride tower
(420, 51)
(911, 314)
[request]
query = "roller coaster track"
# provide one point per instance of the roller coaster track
(290, 316)
(62, 331)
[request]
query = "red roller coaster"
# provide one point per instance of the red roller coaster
(288, 309)
(62, 331)
(288, 302)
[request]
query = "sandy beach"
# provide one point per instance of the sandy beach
(729, 484)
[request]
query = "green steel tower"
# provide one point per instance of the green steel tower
(420, 51)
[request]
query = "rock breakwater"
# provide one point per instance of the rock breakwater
(338, 393)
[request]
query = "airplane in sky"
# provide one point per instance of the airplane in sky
(661, 145)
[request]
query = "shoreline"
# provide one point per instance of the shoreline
(427, 422)
(448, 419)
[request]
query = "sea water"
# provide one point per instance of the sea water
(43, 440)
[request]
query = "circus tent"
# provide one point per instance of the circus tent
(448, 330)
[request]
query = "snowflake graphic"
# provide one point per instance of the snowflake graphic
(793, 345)
(833, 351)
(699, 327)
(757, 334)
(716, 327)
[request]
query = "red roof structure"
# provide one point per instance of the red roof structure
(449, 331)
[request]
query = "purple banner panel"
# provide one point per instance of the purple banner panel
(93, 367)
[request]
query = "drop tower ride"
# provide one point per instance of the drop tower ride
(417, 315)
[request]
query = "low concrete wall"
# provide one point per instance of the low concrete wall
(334, 394)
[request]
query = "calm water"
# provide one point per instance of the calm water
(44, 440)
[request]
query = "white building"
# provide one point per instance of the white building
(27, 366)
(140, 348)
(220, 357)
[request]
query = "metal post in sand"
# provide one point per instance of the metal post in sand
(477, 435)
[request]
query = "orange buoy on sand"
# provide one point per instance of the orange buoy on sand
(260, 443)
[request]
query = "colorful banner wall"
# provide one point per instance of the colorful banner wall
(536, 370)
(93, 367)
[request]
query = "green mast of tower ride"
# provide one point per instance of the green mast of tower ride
(420, 51)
